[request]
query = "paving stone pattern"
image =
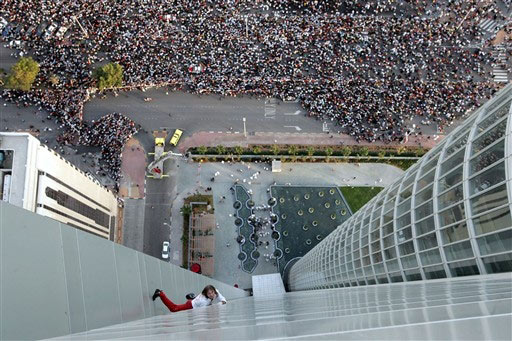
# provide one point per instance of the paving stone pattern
(306, 215)
(246, 256)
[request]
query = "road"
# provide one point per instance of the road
(159, 197)
(193, 113)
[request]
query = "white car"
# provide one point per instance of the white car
(165, 250)
(49, 31)
(60, 33)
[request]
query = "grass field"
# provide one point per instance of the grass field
(357, 197)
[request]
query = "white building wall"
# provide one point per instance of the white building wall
(34, 165)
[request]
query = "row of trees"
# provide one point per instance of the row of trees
(23, 75)
(294, 150)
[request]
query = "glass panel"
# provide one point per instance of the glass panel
(406, 249)
(389, 241)
(427, 242)
(413, 275)
(429, 165)
(495, 243)
(487, 201)
(456, 160)
(406, 193)
(455, 233)
(426, 180)
(451, 197)
(425, 226)
(375, 223)
(424, 210)
(452, 215)
(493, 221)
(423, 196)
(364, 240)
(500, 263)
(458, 251)
(493, 118)
(376, 246)
(390, 253)
(379, 268)
(410, 178)
(403, 207)
(390, 204)
(434, 272)
(466, 268)
(393, 265)
(451, 179)
(430, 257)
(366, 261)
(404, 234)
(387, 217)
(403, 221)
(375, 235)
(387, 229)
(409, 262)
(500, 101)
(488, 157)
(488, 178)
(489, 137)
(457, 144)
(396, 277)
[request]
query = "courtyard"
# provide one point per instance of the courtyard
(256, 182)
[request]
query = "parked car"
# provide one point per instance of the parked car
(60, 33)
(49, 31)
(165, 250)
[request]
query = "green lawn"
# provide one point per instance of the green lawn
(358, 196)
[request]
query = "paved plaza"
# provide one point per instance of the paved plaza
(191, 177)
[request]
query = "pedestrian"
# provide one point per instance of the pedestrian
(208, 296)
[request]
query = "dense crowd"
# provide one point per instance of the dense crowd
(367, 66)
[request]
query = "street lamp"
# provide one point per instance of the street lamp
(245, 130)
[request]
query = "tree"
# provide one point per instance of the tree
(310, 150)
(400, 150)
(328, 152)
(23, 74)
(346, 151)
(109, 76)
(221, 149)
(382, 154)
(364, 151)
(202, 150)
(239, 151)
(293, 150)
(186, 210)
(274, 149)
(419, 151)
(256, 149)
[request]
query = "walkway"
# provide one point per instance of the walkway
(212, 139)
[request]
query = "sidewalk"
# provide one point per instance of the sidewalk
(133, 170)
(230, 140)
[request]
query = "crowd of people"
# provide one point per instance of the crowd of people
(367, 66)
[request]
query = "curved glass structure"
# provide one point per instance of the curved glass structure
(448, 216)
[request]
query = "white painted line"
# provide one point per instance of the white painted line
(292, 113)
(296, 127)
(237, 132)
